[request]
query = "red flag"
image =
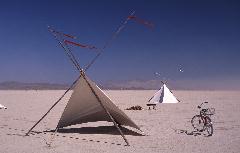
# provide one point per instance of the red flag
(131, 17)
(146, 23)
(73, 43)
(66, 35)
(80, 45)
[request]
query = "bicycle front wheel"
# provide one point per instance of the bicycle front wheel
(197, 122)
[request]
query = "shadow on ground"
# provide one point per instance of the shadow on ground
(193, 133)
(97, 130)
(48, 141)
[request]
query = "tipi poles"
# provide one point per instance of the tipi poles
(105, 109)
(53, 105)
(115, 34)
(76, 64)
(66, 49)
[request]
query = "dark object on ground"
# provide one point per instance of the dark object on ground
(135, 108)
(153, 106)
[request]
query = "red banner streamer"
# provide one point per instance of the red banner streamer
(141, 21)
(80, 45)
(66, 35)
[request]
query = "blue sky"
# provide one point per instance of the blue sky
(202, 37)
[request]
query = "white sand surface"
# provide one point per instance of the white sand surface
(161, 126)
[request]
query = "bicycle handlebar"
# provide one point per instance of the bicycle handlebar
(200, 106)
(208, 111)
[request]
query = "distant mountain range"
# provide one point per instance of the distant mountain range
(130, 85)
(133, 85)
(12, 85)
(125, 85)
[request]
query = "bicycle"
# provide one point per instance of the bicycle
(203, 122)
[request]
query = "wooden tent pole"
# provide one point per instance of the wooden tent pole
(105, 109)
(66, 49)
(53, 106)
(109, 41)
(76, 64)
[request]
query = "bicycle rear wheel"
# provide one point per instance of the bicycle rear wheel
(208, 127)
(197, 122)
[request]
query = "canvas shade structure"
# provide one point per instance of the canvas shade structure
(83, 106)
(88, 112)
(2, 107)
(164, 95)
(88, 103)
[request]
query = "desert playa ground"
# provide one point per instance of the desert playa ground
(162, 127)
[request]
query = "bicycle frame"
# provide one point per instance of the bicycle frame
(203, 122)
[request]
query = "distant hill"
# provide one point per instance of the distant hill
(133, 85)
(130, 85)
(12, 85)
(111, 85)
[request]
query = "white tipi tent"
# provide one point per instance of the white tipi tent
(85, 106)
(88, 103)
(2, 107)
(164, 95)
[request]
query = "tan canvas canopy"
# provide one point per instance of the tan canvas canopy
(164, 95)
(83, 106)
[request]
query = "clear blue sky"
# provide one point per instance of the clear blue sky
(201, 36)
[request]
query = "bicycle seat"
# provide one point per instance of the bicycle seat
(204, 110)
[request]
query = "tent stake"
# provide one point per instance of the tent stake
(53, 106)
(51, 140)
(105, 109)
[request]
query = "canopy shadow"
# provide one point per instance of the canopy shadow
(112, 130)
